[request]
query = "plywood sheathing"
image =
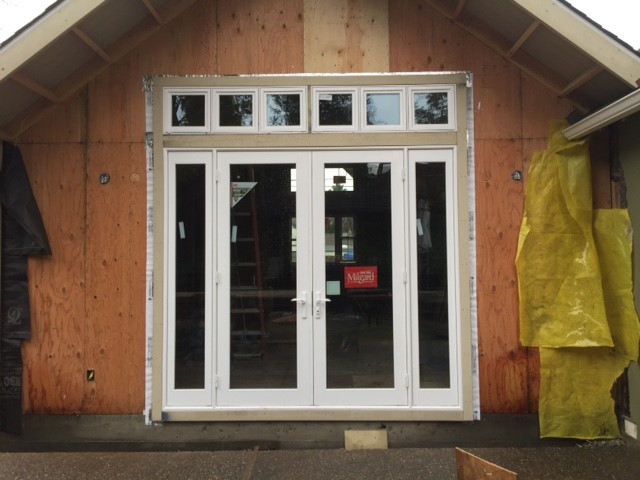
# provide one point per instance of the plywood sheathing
(511, 113)
(258, 37)
(344, 36)
(104, 132)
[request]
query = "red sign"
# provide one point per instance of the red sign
(360, 277)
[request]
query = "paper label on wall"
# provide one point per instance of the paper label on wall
(360, 277)
(239, 190)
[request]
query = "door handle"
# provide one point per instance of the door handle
(303, 303)
(319, 302)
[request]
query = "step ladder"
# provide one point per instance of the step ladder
(247, 314)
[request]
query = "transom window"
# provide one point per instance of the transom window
(332, 109)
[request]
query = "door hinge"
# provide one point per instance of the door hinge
(215, 382)
(218, 278)
(406, 381)
(404, 276)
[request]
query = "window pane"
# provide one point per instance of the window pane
(431, 108)
(335, 109)
(236, 110)
(433, 312)
(190, 267)
(283, 110)
(187, 110)
(383, 109)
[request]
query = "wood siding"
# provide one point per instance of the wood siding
(89, 297)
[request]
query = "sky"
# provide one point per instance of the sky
(618, 16)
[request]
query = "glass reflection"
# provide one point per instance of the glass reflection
(431, 108)
(187, 110)
(283, 110)
(383, 109)
(433, 313)
(236, 110)
(189, 267)
(335, 109)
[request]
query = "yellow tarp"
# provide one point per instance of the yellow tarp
(576, 293)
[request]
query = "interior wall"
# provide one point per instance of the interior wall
(89, 297)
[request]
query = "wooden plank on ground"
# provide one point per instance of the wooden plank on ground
(471, 467)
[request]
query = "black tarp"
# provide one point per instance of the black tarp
(23, 234)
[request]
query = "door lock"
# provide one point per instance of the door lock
(319, 302)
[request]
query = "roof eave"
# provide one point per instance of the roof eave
(612, 55)
(42, 32)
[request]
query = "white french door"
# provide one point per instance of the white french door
(322, 321)
(311, 278)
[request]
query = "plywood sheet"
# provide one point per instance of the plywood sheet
(65, 123)
(503, 363)
(54, 357)
(257, 37)
(342, 36)
(116, 258)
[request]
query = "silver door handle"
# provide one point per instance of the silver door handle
(303, 303)
(319, 302)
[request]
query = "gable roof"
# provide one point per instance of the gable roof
(74, 40)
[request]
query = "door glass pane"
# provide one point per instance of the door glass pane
(359, 330)
(189, 268)
(433, 314)
(262, 277)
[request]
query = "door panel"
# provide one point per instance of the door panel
(360, 332)
(263, 263)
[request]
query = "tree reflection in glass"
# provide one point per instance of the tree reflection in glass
(431, 108)
(283, 110)
(236, 110)
(335, 109)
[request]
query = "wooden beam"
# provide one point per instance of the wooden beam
(35, 38)
(581, 80)
(458, 9)
(34, 86)
(83, 75)
(153, 12)
(92, 45)
(588, 38)
(524, 37)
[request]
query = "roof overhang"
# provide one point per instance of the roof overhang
(75, 40)
(604, 117)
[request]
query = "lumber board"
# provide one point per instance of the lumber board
(54, 357)
(472, 467)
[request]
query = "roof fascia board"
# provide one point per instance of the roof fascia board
(44, 31)
(613, 112)
(587, 37)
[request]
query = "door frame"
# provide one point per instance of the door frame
(460, 137)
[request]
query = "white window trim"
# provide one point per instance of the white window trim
(264, 110)
(215, 110)
(451, 107)
(384, 90)
(317, 92)
(169, 93)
